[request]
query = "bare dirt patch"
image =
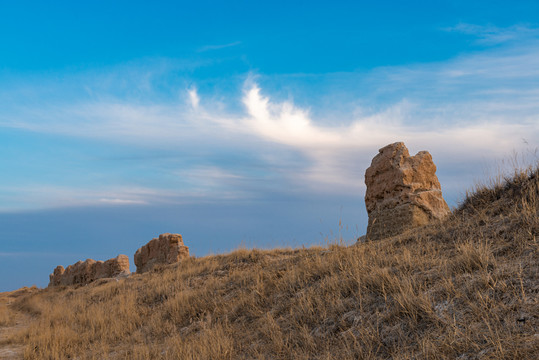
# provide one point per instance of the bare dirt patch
(12, 324)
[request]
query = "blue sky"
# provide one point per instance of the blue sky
(242, 123)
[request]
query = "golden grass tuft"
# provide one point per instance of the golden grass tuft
(464, 288)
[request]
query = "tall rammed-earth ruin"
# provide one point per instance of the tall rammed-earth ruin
(166, 249)
(402, 192)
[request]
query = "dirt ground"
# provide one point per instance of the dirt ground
(12, 323)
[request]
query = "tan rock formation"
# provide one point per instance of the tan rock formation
(167, 249)
(84, 272)
(402, 192)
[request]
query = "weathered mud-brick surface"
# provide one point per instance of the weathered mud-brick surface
(167, 249)
(84, 272)
(402, 192)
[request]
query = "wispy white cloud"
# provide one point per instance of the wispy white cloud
(336, 152)
(116, 201)
(492, 35)
(34, 197)
(193, 98)
(218, 47)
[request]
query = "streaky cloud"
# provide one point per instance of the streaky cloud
(218, 47)
(494, 35)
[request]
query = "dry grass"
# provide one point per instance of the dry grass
(12, 323)
(466, 288)
(6, 319)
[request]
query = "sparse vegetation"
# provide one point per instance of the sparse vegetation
(5, 317)
(464, 288)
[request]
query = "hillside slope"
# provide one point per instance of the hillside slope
(466, 288)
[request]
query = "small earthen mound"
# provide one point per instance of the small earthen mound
(167, 249)
(402, 192)
(84, 272)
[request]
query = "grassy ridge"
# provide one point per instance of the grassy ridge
(465, 288)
